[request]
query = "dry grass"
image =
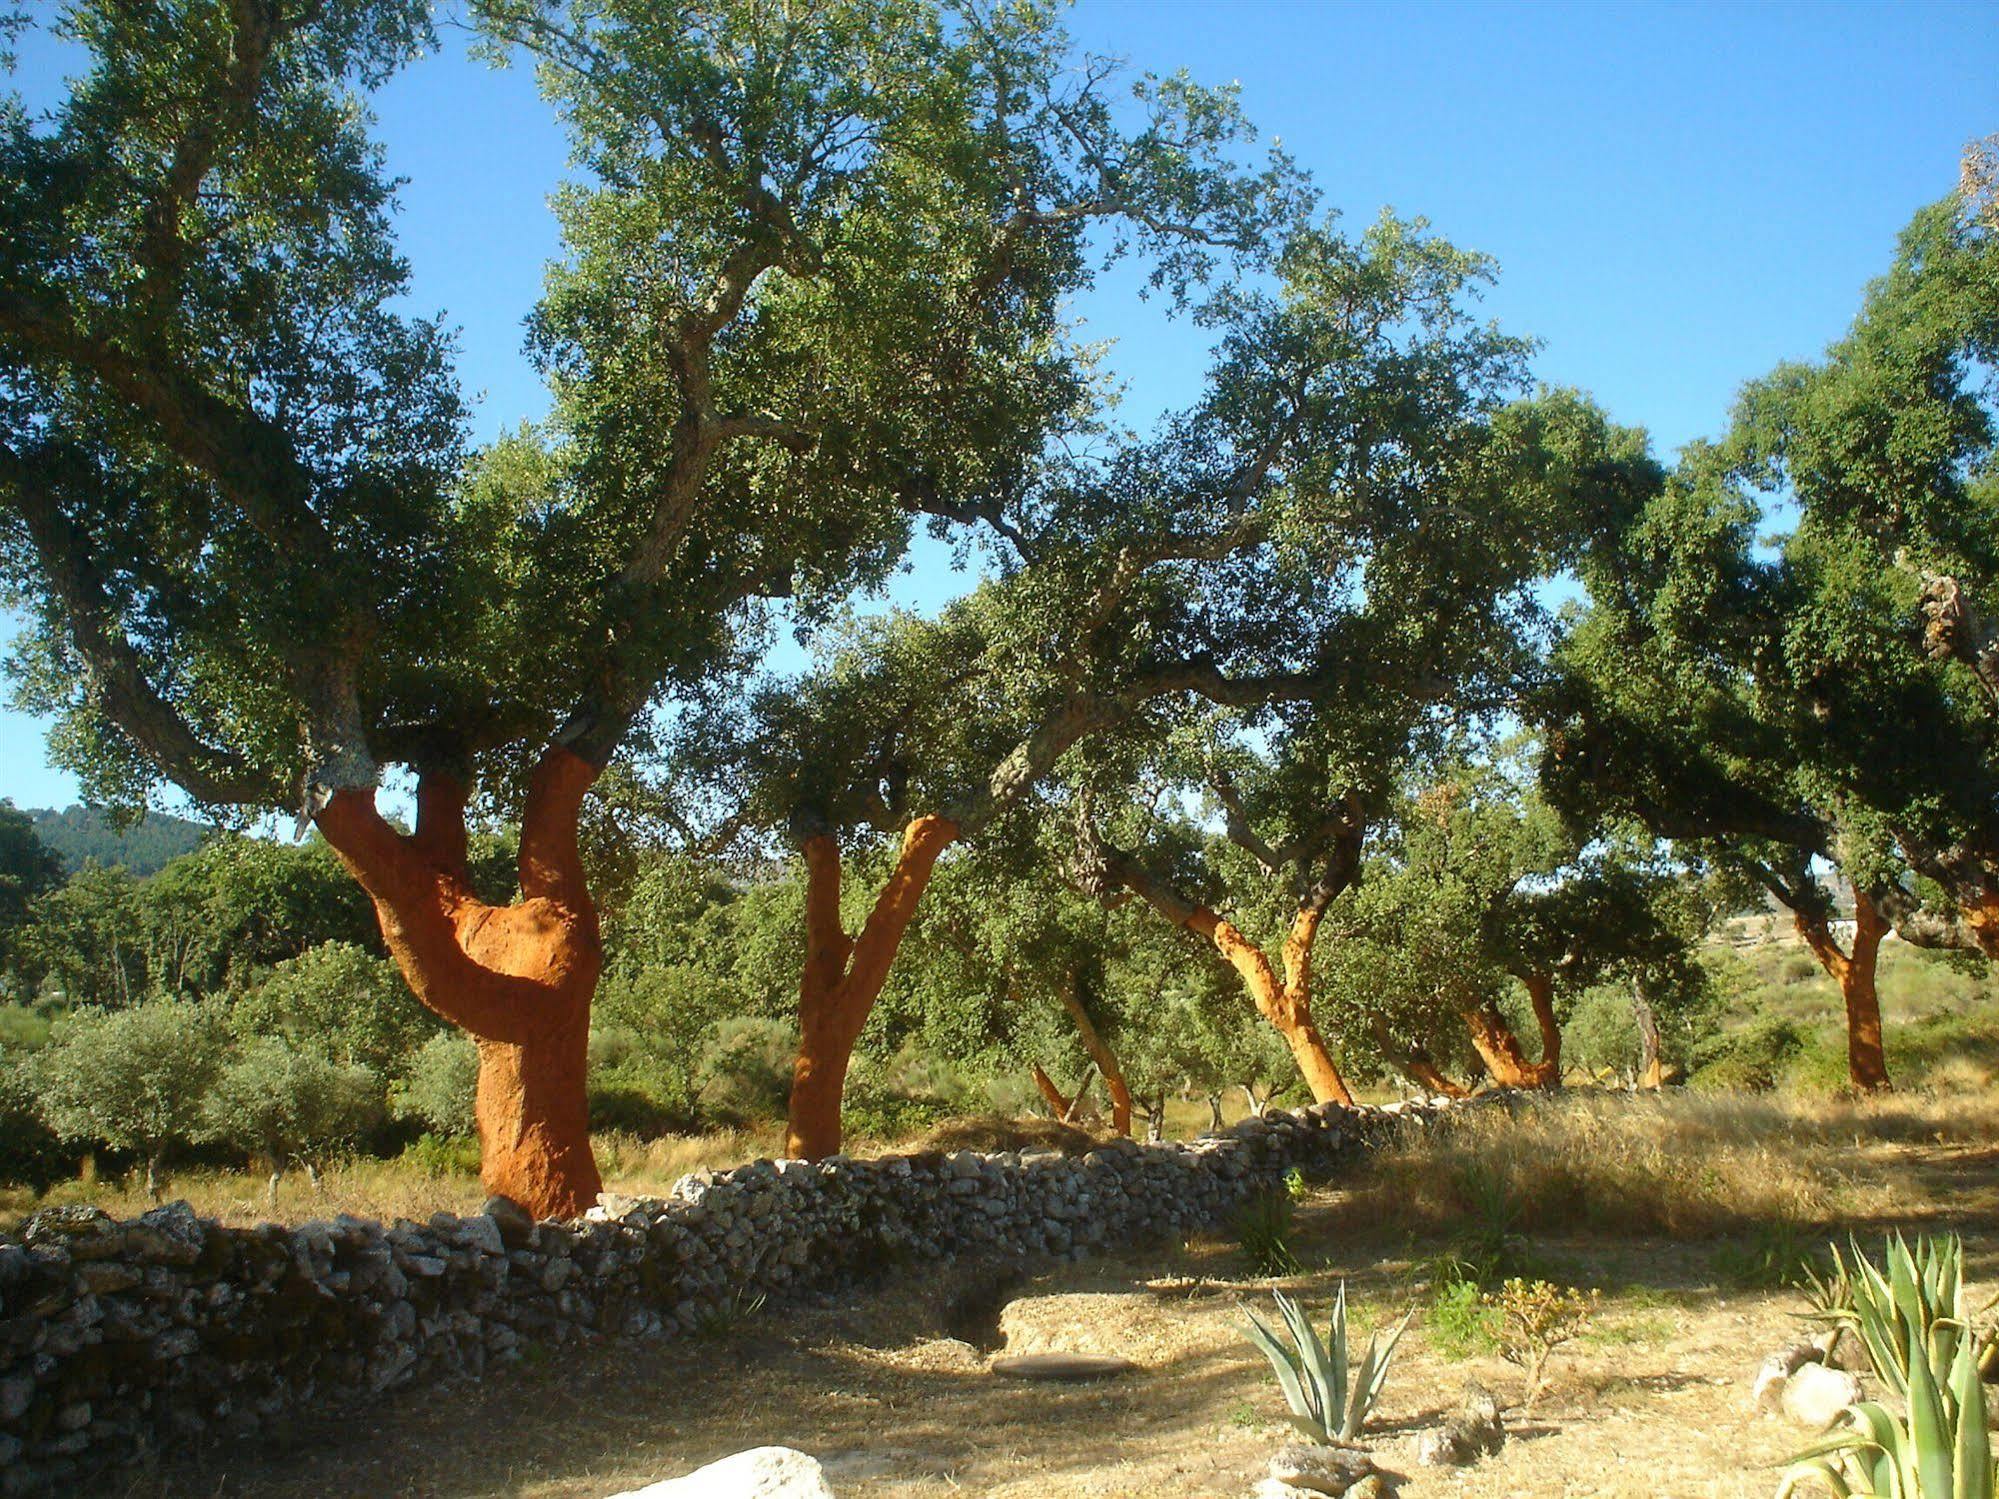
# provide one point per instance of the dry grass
(883, 1385)
(1675, 1164)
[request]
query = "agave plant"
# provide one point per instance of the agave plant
(1330, 1401)
(1916, 1325)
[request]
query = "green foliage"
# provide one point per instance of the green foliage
(1263, 1232)
(443, 1155)
(30, 1150)
(342, 1003)
(283, 1103)
(1329, 1398)
(28, 866)
(1462, 1324)
(1750, 1059)
(744, 1072)
(132, 1079)
(1771, 1256)
(438, 1090)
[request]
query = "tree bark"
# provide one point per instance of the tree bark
(1058, 1105)
(1651, 1069)
(1541, 995)
(1431, 1079)
(1214, 1113)
(1100, 1053)
(843, 975)
(1504, 1057)
(519, 978)
(1854, 972)
(1286, 1004)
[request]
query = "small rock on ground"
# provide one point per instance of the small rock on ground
(1474, 1432)
(1061, 1366)
(1319, 1469)
(760, 1473)
(1815, 1395)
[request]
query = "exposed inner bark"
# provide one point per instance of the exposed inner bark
(519, 978)
(1101, 1054)
(1854, 972)
(1651, 1067)
(1058, 1102)
(843, 975)
(1504, 1057)
(1285, 1003)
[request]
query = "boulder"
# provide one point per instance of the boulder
(1319, 1469)
(1815, 1395)
(1767, 1393)
(760, 1473)
(1475, 1431)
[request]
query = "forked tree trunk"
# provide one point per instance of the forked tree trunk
(1286, 1004)
(1500, 1048)
(843, 975)
(1981, 914)
(1214, 1113)
(1058, 1103)
(1429, 1077)
(1259, 1104)
(1854, 972)
(1155, 1118)
(1504, 1057)
(1651, 1067)
(1104, 1058)
(519, 978)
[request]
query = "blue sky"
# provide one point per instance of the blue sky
(1678, 196)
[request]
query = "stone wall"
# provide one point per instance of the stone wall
(123, 1339)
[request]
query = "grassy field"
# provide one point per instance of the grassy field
(1688, 1213)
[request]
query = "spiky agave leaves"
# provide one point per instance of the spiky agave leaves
(1924, 1349)
(1330, 1400)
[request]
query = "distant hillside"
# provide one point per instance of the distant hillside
(84, 833)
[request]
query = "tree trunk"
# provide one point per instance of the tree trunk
(1651, 1071)
(1982, 915)
(519, 978)
(1504, 1057)
(1101, 1054)
(1430, 1078)
(1155, 1118)
(152, 1176)
(1214, 1113)
(1854, 972)
(843, 975)
(1541, 995)
(1058, 1105)
(1287, 1005)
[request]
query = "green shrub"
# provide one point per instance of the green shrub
(1461, 1324)
(31, 1153)
(287, 1104)
(341, 1002)
(1749, 1059)
(132, 1079)
(1263, 1230)
(744, 1074)
(439, 1088)
(442, 1155)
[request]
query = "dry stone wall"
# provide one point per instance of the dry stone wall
(121, 1340)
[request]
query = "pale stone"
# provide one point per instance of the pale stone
(1815, 1395)
(760, 1473)
(1062, 1366)
(1321, 1469)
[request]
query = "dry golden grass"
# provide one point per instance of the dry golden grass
(1674, 1164)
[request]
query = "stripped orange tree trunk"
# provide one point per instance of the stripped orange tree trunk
(1101, 1054)
(843, 975)
(1414, 1063)
(1854, 971)
(518, 978)
(1286, 1003)
(1058, 1103)
(1500, 1049)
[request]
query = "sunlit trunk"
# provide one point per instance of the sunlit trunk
(1854, 973)
(1504, 1057)
(843, 976)
(1101, 1054)
(519, 978)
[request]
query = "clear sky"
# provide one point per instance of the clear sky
(1678, 195)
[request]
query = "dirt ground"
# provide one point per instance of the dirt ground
(891, 1388)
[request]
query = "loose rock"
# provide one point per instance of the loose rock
(1815, 1395)
(1474, 1432)
(760, 1473)
(1320, 1469)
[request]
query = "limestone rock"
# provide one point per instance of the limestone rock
(1062, 1367)
(1815, 1395)
(515, 1225)
(760, 1473)
(1475, 1431)
(1768, 1392)
(1320, 1469)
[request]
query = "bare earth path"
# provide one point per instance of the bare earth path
(888, 1392)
